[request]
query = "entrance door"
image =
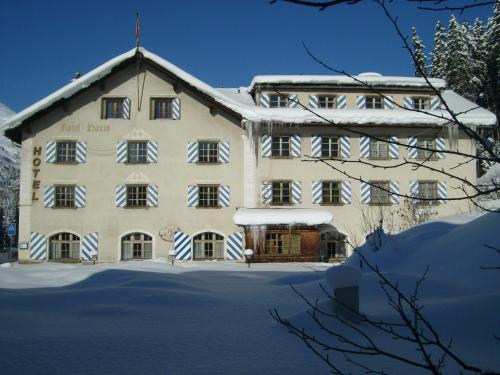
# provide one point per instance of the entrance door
(332, 246)
(208, 245)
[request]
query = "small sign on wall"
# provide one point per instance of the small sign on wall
(23, 245)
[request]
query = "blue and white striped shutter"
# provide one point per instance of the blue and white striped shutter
(442, 192)
(342, 102)
(313, 101)
(346, 192)
(345, 146)
(38, 246)
(80, 196)
(121, 152)
(361, 102)
(50, 152)
(152, 152)
(364, 146)
(126, 109)
(224, 152)
(440, 147)
(394, 186)
(365, 192)
(435, 102)
(412, 151)
(296, 192)
(224, 195)
(317, 192)
(293, 101)
(295, 143)
(388, 102)
(121, 196)
(81, 152)
(152, 196)
(264, 101)
(266, 145)
(393, 147)
(90, 246)
(192, 152)
(414, 189)
(192, 195)
(234, 249)
(408, 102)
(182, 246)
(48, 196)
(266, 193)
(176, 109)
(316, 146)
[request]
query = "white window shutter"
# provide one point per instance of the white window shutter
(121, 152)
(293, 101)
(176, 109)
(224, 152)
(235, 247)
(152, 152)
(224, 195)
(126, 109)
(313, 101)
(90, 246)
(408, 102)
(393, 147)
(295, 144)
(266, 195)
(442, 192)
(152, 196)
(364, 147)
(182, 246)
(80, 196)
(412, 151)
(345, 146)
(365, 192)
(38, 246)
(440, 147)
(296, 192)
(192, 152)
(50, 152)
(388, 102)
(121, 196)
(435, 103)
(264, 101)
(48, 196)
(265, 141)
(342, 102)
(414, 189)
(192, 195)
(346, 192)
(316, 146)
(81, 152)
(394, 187)
(317, 192)
(361, 102)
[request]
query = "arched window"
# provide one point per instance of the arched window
(64, 247)
(208, 245)
(137, 246)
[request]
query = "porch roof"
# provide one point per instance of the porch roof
(282, 216)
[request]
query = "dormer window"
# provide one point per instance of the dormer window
(278, 101)
(374, 102)
(421, 103)
(327, 101)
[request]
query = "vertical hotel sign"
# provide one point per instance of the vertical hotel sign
(37, 161)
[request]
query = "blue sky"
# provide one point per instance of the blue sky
(222, 42)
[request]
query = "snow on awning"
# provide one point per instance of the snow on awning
(282, 216)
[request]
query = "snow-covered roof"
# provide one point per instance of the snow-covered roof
(372, 79)
(282, 216)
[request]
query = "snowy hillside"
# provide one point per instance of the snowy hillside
(9, 152)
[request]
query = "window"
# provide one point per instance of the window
(379, 149)
(137, 246)
(374, 102)
(278, 101)
(161, 108)
(331, 192)
(281, 192)
(208, 196)
(282, 243)
(208, 245)
(66, 152)
(280, 146)
(136, 195)
(137, 152)
(112, 108)
(330, 147)
(379, 194)
(327, 101)
(64, 246)
(208, 152)
(65, 196)
(332, 245)
(427, 190)
(430, 145)
(421, 103)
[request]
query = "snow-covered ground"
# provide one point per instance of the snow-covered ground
(212, 317)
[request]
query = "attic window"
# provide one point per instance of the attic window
(112, 108)
(161, 108)
(278, 101)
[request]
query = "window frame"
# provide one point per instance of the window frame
(217, 151)
(209, 198)
(330, 144)
(380, 141)
(281, 201)
(167, 110)
(331, 202)
(137, 199)
(279, 99)
(145, 161)
(421, 99)
(66, 142)
(327, 101)
(281, 149)
(374, 99)
(71, 200)
(435, 198)
(426, 154)
(285, 243)
(384, 191)
(104, 107)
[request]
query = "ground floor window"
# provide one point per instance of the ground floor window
(332, 245)
(64, 246)
(282, 243)
(208, 245)
(137, 246)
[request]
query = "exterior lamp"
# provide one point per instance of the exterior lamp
(171, 255)
(248, 256)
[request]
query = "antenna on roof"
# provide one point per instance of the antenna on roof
(137, 29)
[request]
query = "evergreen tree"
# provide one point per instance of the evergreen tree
(478, 53)
(418, 51)
(493, 64)
(437, 67)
